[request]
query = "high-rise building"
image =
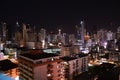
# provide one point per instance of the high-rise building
(72, 39)
(66, 50)
(51, 37)
(78, 36)
(43, 37)
(43, 34)
(118, 33)
(18, 34)
(4, 32)
(65, 39)
(24, 33)
(16, 29)
(1, 31)
(82, 31)
(101, 36)
(109, 35)
(59, 32)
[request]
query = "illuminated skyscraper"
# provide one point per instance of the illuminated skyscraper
(24, 33)
(82, 31)
(17, 35)
(17, 26)
(4, 31)
(78, 33)
(59, 32)
(118, 32)
(42, 37)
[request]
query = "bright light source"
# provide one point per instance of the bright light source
(105, 44)
(43, 43)
(51, 44)
(49, 75)
(90, 64)
(66, 63)
(116, 49)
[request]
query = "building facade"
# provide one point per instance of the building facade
(74, 66)
(37, 65)
(40, 66)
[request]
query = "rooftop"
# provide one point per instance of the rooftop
(67, 58)
(7, 65)
(38, 56)
(82, 55)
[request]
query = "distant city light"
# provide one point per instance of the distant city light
(105, 45)
(43, 43)
(50, 44)
(81, 22)
(116, 49)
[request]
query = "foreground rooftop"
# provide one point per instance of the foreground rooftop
(38, 56)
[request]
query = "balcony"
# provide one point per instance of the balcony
(50, 71)
(49, 76)
(49, 66)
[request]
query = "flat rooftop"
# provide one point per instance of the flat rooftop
(7, 65)
(82, 55)
(38, 56)
(67, 58)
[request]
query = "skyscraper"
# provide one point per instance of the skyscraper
(24, 33)
(43, 37)
(4, 31)
(82, 31)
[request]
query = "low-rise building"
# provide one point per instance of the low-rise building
(37, 65)
(74, 66)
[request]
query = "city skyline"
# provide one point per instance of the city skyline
(57, 40)
(52, 15)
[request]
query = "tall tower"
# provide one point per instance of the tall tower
(17, 27)
(17, 34)
(43, 36)
(4, 30)
(118, 32)
(82, 31)
(59, 32)
(78, 33)
(24, 33)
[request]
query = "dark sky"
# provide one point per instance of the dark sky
(52, 15)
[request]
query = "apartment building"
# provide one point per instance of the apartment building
(40, 66)
(74, 66)
(37, 65)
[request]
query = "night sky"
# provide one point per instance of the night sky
(64, 15)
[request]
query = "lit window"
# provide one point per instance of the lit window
(49, 75)
(52, 59)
